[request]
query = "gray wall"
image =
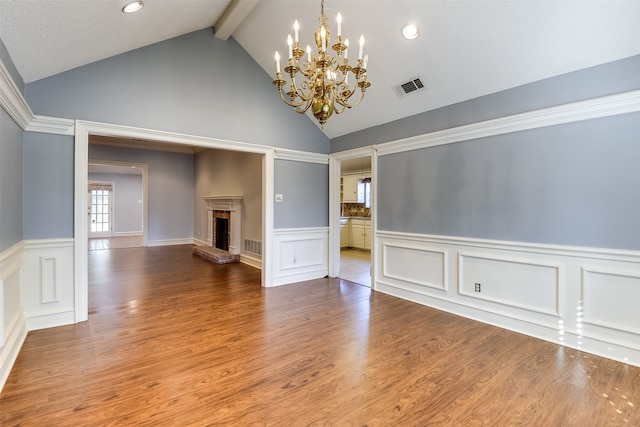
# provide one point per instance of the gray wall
(614, 77)
(193, 84)
(48, 186)
(171, 188)
(574, 184)
(11, 182)
(305, 190)
(127, 201)
(230, 173)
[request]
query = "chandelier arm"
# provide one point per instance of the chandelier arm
(345, 104)
(295, 105)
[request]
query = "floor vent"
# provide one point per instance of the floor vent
(253, 246)
(412, 86)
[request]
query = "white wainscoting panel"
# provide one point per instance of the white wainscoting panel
(584, 298)
(512, 281)
(49, 283)
(13, 323)
(300, 254)
(610, 304)
(415, 265)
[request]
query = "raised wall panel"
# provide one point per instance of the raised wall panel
(300, 254)
(414, 264)
(611, 299)
(516, 282)
(48, 279)
(49, 283)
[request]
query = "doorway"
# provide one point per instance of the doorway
(159, 138)
(356, 231)
(123, 185)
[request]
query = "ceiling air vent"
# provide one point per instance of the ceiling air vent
(412, 86)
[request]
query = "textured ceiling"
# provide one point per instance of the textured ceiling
(466, 49)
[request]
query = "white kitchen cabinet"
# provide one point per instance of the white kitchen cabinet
(360, 235)
(344, 233)
(356, 236)
(367, 234)
(350, 189)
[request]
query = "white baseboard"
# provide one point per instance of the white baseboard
(583, 298)
(171, 242)
(127, 234)
(251, 260)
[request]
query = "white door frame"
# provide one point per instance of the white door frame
(81, 168)
(334, 207)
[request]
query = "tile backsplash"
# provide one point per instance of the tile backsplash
(354, 209)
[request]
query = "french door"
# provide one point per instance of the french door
(100, 210)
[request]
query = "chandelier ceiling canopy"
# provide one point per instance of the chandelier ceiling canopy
(322, 81)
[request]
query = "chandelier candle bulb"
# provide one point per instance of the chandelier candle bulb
(296, 27)
(277, 62)
(290, 43)
(346, 49)
(361, 47)
(339, 19)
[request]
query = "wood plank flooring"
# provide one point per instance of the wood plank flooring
(173, 340)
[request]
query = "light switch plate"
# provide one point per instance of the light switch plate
(279, 198)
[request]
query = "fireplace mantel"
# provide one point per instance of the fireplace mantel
(233, 205)
(223, 203)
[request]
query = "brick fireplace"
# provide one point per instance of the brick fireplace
(224, 215)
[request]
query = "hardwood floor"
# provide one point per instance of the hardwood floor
(173, 340)
(355, 266)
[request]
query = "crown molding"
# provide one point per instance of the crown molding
(12, 100)
(626, 102)
(301, 156)
(56, 125)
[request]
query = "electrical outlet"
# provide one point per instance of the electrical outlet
(477, 287)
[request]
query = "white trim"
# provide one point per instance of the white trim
(171, 242)
(12, 101)
(53, 125)
(574, 251)
(268, 208)
(110, 129)
(627, 102)
(127, 234)
(250, 260)
(301, 156)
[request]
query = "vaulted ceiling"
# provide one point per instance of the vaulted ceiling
(466, 48)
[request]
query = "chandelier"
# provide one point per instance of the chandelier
(324, 83)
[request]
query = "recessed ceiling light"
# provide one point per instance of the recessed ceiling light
(410, 31)
(133, 6)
